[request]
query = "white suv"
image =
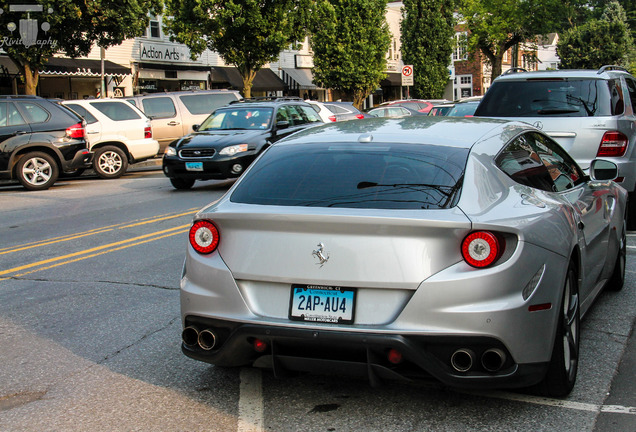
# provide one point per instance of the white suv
(117, 132)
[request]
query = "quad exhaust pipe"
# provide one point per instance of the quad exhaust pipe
(464, 359)
(204, 339)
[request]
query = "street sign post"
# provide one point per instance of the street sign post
(407, 77)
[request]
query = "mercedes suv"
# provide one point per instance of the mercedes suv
(227, 142)
(590, 113)
(39, 140)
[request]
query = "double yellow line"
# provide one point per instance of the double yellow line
(93, 252)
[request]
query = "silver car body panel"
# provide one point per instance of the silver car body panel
(407, 265)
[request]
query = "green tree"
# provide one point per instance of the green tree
(31, 37)
(427, 43)
(246, 33)
(350, 40)
(598, 42)
(495, 26)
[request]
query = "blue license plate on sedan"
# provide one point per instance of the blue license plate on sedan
(319, 303)
(194, 166)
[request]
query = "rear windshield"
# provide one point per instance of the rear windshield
(552, 98)
(374, 176)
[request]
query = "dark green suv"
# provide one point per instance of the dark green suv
(227, 142)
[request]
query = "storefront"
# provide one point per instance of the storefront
(266, 82)
(66, 78)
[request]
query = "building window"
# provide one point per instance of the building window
(393, 53)
(155, 30)
(466, 79)
(461, 46)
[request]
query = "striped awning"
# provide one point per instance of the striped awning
(58, 66)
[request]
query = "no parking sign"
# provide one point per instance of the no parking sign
(407, 75)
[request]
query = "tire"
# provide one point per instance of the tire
(37, 171)
(181, 184)
(110, 162)
(563, 367)
(617, 280)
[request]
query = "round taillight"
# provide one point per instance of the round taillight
(204, 237)
(481, 248)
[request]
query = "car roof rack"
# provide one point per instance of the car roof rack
(269, 99)
(611, 68)
(513, 70)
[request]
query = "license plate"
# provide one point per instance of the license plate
(194, 166)
(319, 303)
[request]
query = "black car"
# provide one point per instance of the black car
(227, 142)
(39, 140)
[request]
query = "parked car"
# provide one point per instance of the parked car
(172, 114)
(394, 111)
(117, 133)
(39, 139)
(441, 110)
(591, 113)
(337, 111)
(462, 249)
(421, 105)
(232, 137)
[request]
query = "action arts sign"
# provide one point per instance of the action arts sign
(172, 53)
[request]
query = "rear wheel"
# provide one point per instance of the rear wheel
(181, 183)
(110, 162)
(37, 171)
(564, 363)
(617, 280)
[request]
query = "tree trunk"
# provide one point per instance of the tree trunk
(358, 98)
(248, 78)
(496, 64)
(31, 78)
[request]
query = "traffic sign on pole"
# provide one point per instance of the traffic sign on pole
(407, 75)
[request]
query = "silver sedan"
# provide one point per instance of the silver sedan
(465, 250)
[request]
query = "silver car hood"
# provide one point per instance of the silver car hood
(343, 247)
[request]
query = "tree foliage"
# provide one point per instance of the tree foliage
(427, 43)
(497, 25)
(598, 42)
(68, 26)
(350, 39)
(246, 33)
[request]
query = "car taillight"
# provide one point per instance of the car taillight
(147, 132)
(332, 118)
(75, 131)
(613, 144)
(481, 248)
(204, 237)
(359, 116)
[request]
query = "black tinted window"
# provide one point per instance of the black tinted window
(388, 176)
(553, 98)
(159, 107)
(90, 119)
(117, 111)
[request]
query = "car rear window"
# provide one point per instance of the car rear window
(117, 111)
(374, 176)
(552, 98)
(206, 103)
(90, 119)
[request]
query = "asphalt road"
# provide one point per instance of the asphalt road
(90, 335)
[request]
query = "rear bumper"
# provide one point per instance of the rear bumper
(82, 159)
(360, 355)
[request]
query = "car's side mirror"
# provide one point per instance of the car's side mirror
(603, 170)
(282, 124)
(195, 127)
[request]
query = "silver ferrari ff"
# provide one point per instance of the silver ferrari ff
(465, 250)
